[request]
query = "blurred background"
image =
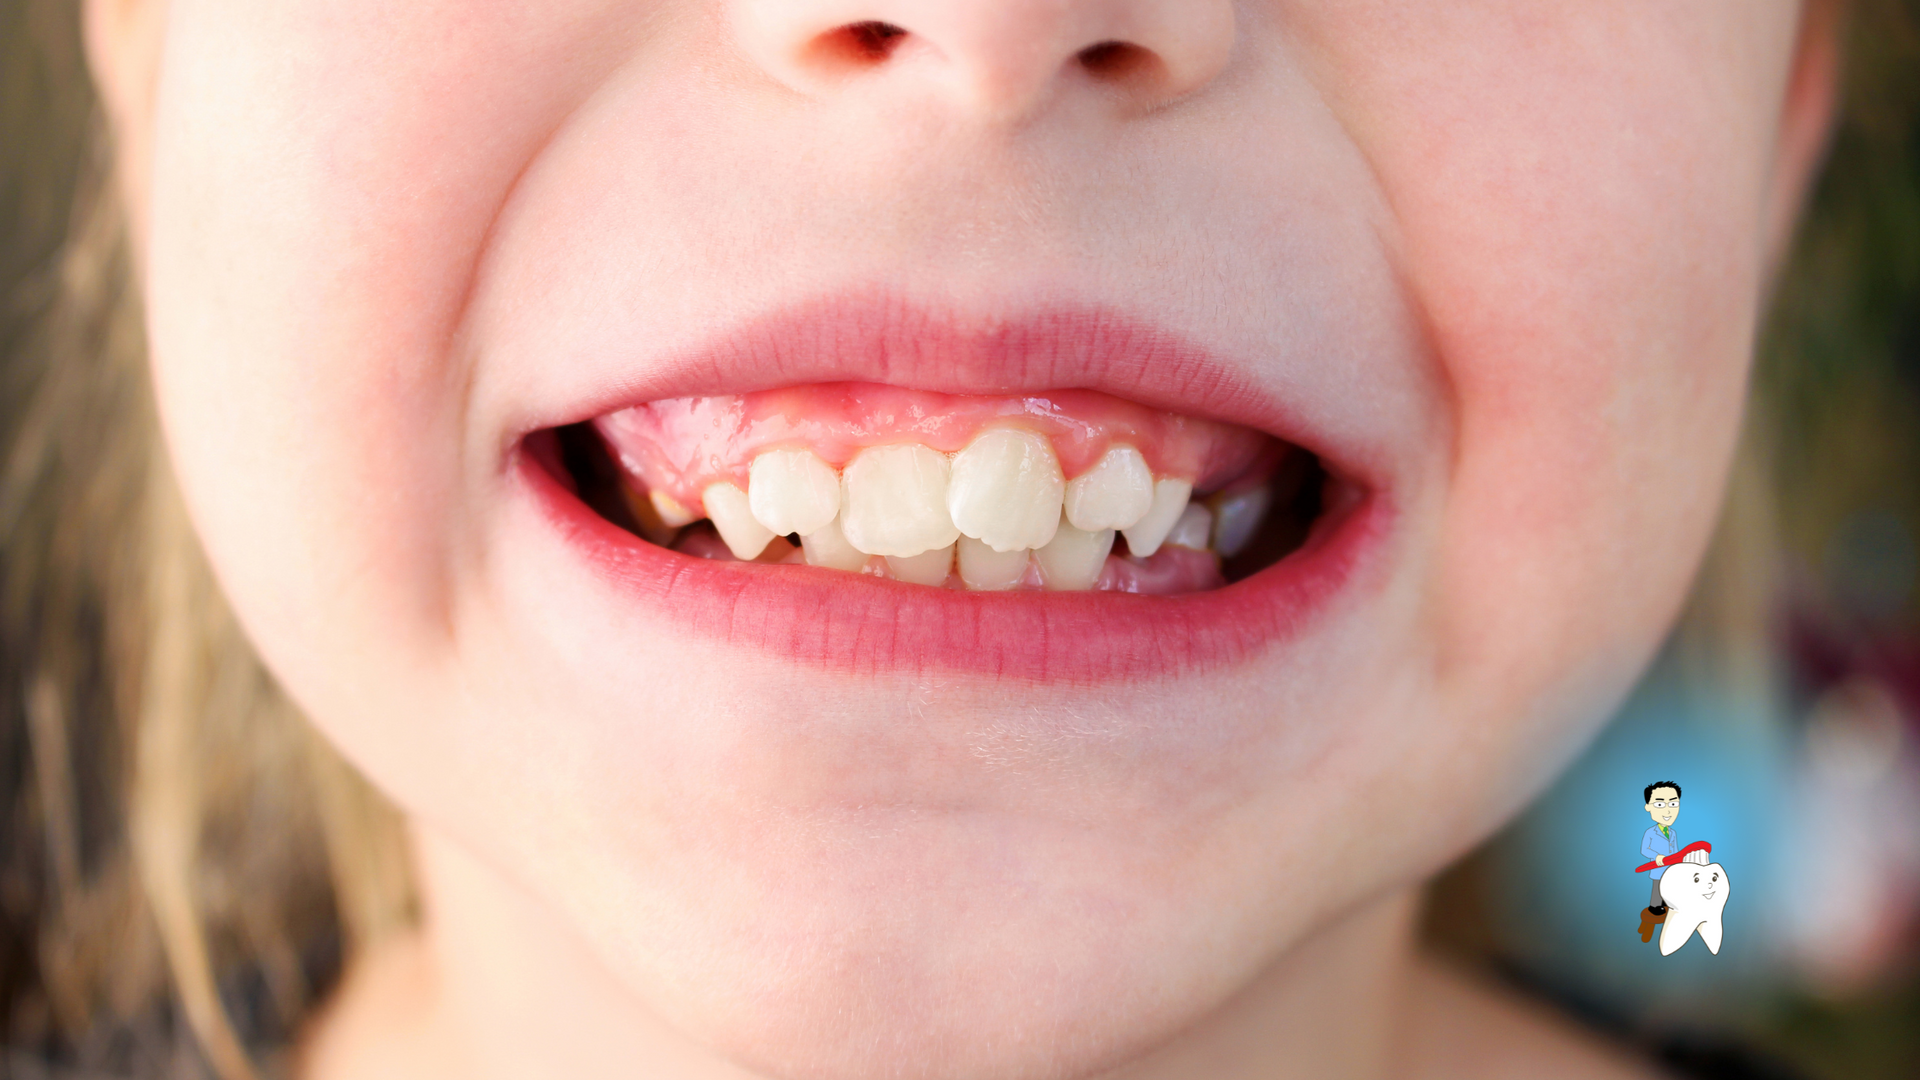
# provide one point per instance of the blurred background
(1787, 704)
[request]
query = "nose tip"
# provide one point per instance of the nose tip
(991, 59)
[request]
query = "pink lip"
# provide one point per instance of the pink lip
(851, 623)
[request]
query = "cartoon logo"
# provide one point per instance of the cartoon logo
(1689, 893)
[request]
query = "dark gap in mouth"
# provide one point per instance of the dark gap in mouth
(1298, 491)
(595, 475)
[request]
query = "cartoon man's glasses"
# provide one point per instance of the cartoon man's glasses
(1664, 803)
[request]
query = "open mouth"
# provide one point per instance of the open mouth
(867, 487)
(1067, 491)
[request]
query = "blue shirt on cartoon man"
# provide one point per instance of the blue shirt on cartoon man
(1660, 840)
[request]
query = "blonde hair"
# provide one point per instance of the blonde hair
(176, 824)
(247, 845)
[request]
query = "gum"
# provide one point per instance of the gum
(680, 445)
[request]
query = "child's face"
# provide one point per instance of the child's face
(1496, 263)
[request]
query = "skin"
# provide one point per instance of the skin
(1517, 247)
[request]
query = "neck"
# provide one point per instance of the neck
(502, 988)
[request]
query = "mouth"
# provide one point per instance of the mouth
(1051, 500)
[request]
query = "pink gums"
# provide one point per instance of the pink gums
(680, 445)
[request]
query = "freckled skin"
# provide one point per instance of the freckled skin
(1510, 252)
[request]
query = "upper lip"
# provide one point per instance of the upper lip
(873, 338)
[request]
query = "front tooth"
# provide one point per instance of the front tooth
(1236, 519)
(1193, 529)
(926, 568)
(727, 509)
(1075, 558)
(1169, 500)
(987, 570)
(893, 500)
(792, 491)
(1115, 494)
(1006, 489)
(827, 546)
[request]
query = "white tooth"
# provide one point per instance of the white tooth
(926, 568)
(1115, 494)
(727, 509)
(987, 570)
(1006, 489)
(1169, 499)
(1696, 897)
(828, 547)
(1075, 558)
(893, 500)
(673, 513)
(792, 491)
(1236, 519)
(1193, 529)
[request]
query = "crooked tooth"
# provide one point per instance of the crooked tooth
(827, 546)
(733, 520)
(1193, 530)
(1236, 518)
(1115, 494)
(926, 568)
(792, 491)
(893, 500)
(1005, 490)
(986, 570)
(1075, 558)
(1169, 501)
(673, 513)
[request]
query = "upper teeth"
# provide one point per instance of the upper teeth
(995, 512)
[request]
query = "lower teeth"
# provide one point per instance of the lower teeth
(1189, 546)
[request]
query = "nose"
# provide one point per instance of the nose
(991, 60)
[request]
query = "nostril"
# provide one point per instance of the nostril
(1114, 60)
(861, 43)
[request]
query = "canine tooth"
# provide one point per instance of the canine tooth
(1169, 500)
(673, 513)
(1193, 529)
(893, 500)
(727, 509)
(792, 491)
(926, 568)
(1236, 519)
(1115, 494)
(1696, 897)
(987, 570)
(827, 546)
(1075, 558)
(1005, 489)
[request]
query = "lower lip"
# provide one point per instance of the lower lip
(852, 623)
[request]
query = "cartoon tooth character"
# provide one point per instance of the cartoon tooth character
(1695, 893)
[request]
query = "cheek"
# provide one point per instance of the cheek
(1589, 263)
(324, 177)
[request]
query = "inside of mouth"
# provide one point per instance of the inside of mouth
(1072, 491)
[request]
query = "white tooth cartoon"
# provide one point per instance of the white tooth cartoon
(1695, 894)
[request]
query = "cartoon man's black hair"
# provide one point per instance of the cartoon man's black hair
(1647, 796)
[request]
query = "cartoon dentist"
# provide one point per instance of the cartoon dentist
(1659, 843)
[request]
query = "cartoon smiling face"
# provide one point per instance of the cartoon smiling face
(1695, 895)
